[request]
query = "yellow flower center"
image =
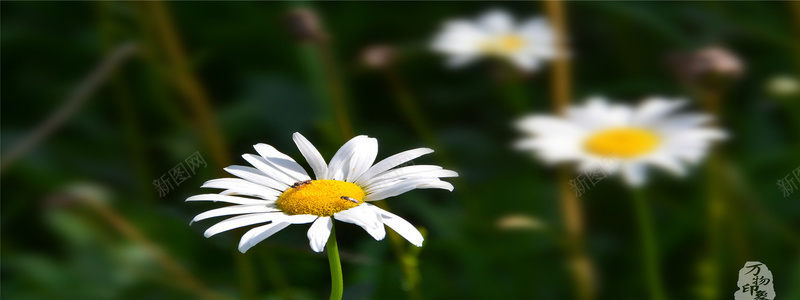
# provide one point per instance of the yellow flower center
(625, 142)
(320, 197)
(504, 44)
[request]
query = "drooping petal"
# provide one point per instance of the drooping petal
(312, 155)
(258, 234)
(319, 232)
(282, 162)
(234, 210)
(365, 217)
(669, 163)
(401, 226)
(525, 62)
(240, 221)
(634, 174)
(391, 162)
(460, 60)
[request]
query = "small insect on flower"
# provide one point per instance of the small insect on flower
(350, 199)
(300, 183)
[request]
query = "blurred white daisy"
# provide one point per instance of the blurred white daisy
(621, 138)
(495, 34)
(279, 191)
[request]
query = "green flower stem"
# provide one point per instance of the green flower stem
(337, 283)
(649, 250)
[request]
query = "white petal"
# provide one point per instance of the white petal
(270, 170)
(319, 232)
(400, 172)
(234, 210)
(258, 234)
(391, 177)
(525, 62)
(228, 199)
(391, 162)
(460, 60)
(655, 109)
(634, 174)
(459, 38)
(401, 226)
(496, 22)
(385, 191)
(362, 159)
(298, 219)
(244, 193)
(545, 125)
(242, 186)
(338, 165)
(683, 121)
(669, 163)
(537, 30)
(365, 217)
(282, 162)
(254, 175)
(312, 155)
(240, 221)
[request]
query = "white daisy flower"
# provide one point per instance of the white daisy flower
(278, 191)
(495, 34)
(621, 138)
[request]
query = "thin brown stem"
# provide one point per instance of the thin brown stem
(85, 89)
(560, 76)
(186, 82)
(571, 209)
(187, 281)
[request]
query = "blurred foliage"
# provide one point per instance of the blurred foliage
(57, 244)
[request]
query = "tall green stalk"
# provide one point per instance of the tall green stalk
(649, 248)
(337, 282)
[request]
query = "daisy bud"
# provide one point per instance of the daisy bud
(783, 86)
(305, 25)
(378, 56)
(519, 222)
(707, 66)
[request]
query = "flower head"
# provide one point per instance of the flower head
(621, 138)
(278, 191)
(495, 34)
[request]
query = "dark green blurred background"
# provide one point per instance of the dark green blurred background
(82, 220)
